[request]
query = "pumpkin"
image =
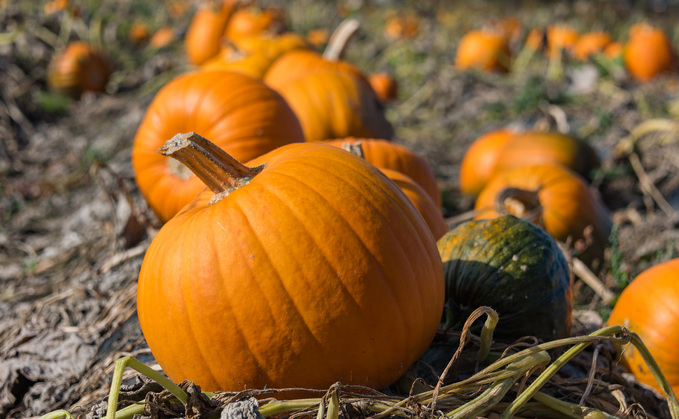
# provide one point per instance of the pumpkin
(648, 53)
(648, 307)
(317, 37)
(479, 161)
(55, 6)
(389, 155)
(273, 280)
(613, 50)
(138, 33)
(331, 104)
(80, 67)
(384, 85)
(249, 21)
(512, 266)
(561, 38)
(204, 35)
(398, 28)
(240, 113)
(554, 197)
(483, 50)
(162, 38)
(533, 148)
(590, 44)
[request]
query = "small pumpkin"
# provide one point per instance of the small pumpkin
(613, 50)
(162, 38)
(483, 50)
(512, 266)
(398, 28)
(560, 39)
(204, 35)
(648, 307)
(590, 44)
(555, 198)
(270, 280)
(332, 104)
(251, 21)
(648, 53)
(240, 113)
(80, 67)
(480, 158)
(384, 85)
(534, 148)
(139, 32)
(389, 155)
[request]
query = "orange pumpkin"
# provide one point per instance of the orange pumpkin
(204, 35)
(648, 53)
(250, 21)
(389, 155)
(648, 307)
(272, 281)
(162, 38)
(79, 68)
(561, 38)
(401, 27)
(613, 50)
(479, 161)
(318, 37)
(483, 50)
(533, 148)
(138, 33)
(331, 104)
(590, 44)
(384, 85)
(240, 113)
(555, 198)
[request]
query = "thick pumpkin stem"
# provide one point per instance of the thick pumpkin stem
(520, 203)
(216, 168)
(339, 39)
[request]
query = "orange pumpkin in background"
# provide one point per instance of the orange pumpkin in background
(384, 85)
(648, 307)
(162, 38)
(590, 44)
(253, 292)
(240, 113)
(483, 50)
(80, 67)
(205, 32)
(389, 155)
(560, 39)
(648, 53)
(250, 21)
(555, 198)
(479, 161)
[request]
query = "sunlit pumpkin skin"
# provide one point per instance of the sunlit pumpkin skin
(648, 53)
(569, 208)
(239, 113)
(331, 104)
(590, 44)
(514, 267)
(389, 155)
(532, 148)
(205, 32)
(282, 283)
(483, 50)
(560, 39)
(648, 307)
(384, 85)
(250, 21)
(80, 67)
(425, 205)
(479, 161)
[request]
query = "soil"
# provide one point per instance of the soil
(74, 227)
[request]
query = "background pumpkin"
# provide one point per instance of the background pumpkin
(80, 67)
(273, 297)
(384, 85)
(389, 155)
(483, 50)
(648, 307)
(554, 197)
(648, 52)
(331, 104)
(240, 113)
(512, 266)
(204, 35)
(480, 158)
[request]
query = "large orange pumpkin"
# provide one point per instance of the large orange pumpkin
(533, 148)
(555, 198)
(80, 67)
(240, 113)
(332, 104)
(479, 161)
(389, 155)
(483, 50)
(275, 281)
(648, 52)
(648, 307)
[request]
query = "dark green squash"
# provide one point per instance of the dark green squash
(512, 266)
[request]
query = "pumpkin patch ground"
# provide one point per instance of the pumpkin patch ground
(75, 227)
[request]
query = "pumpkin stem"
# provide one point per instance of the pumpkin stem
(520, 203)
(339, 39)
(215, 167)
(355, 148)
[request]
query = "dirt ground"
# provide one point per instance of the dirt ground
(74, 228)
